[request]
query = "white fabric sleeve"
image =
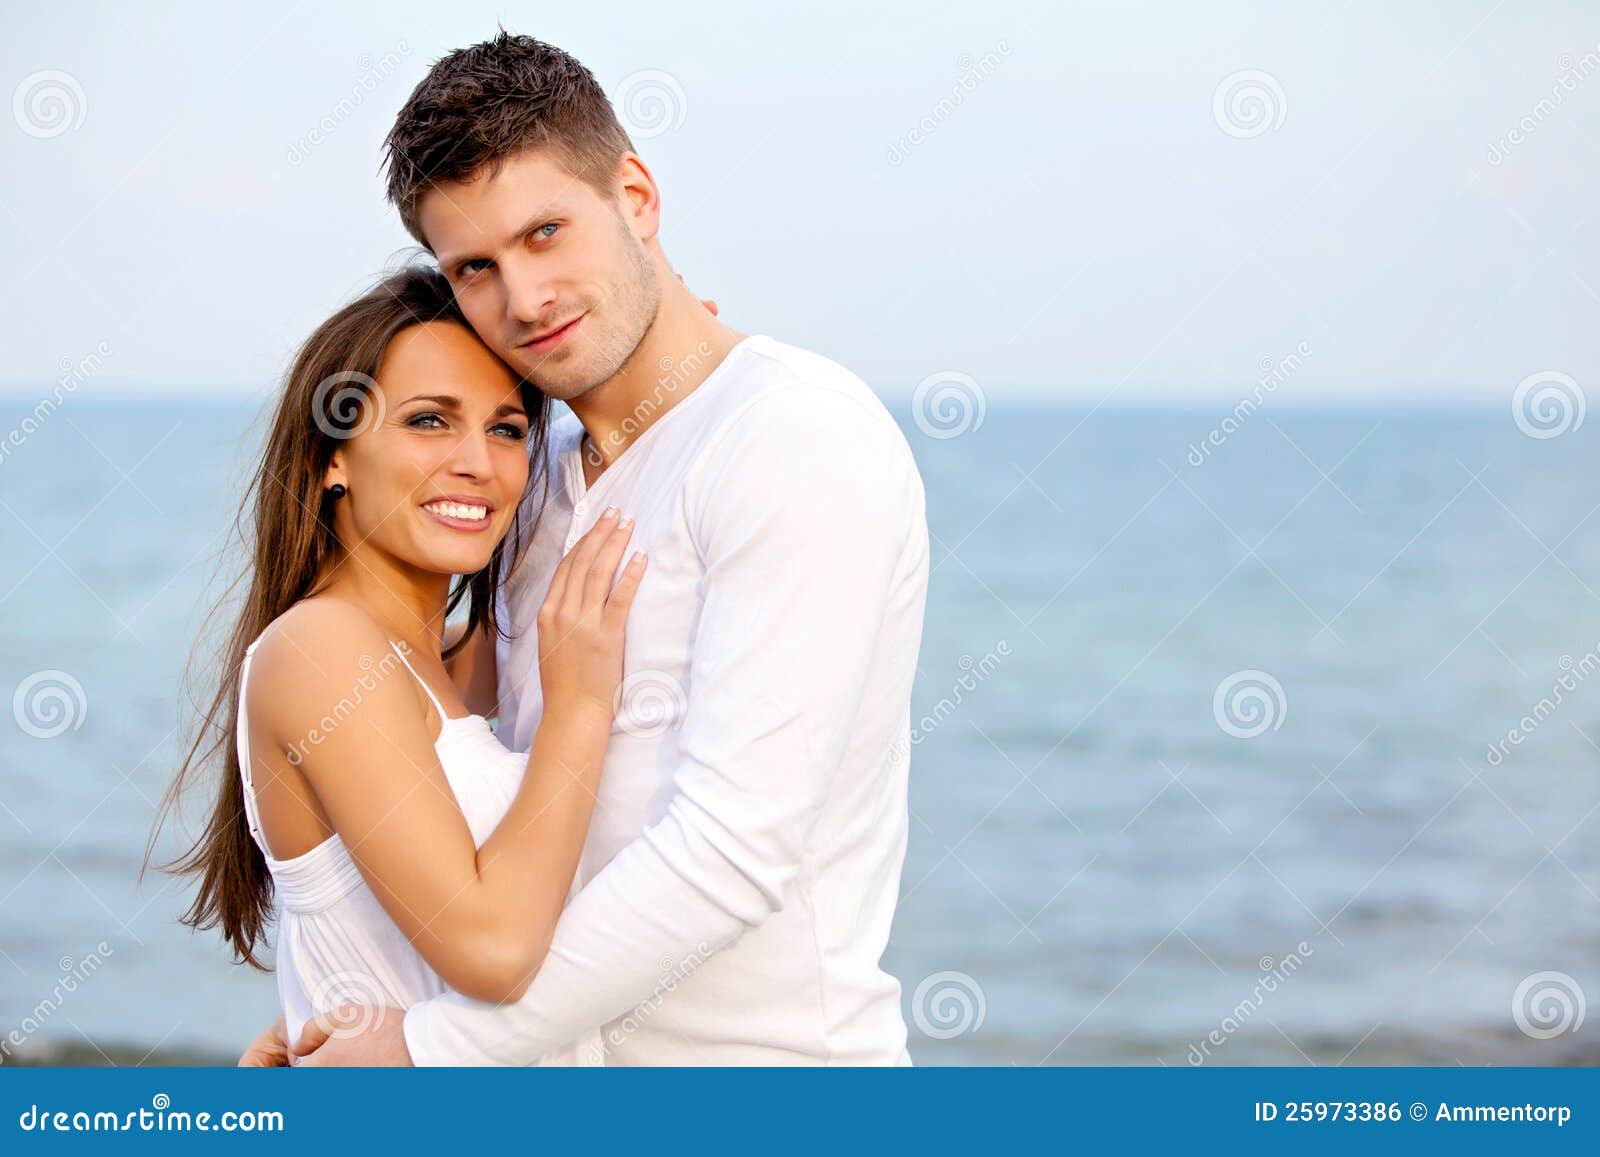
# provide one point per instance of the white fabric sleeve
(801, 506)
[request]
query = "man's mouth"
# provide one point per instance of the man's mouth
(460, 513)
(552, 338)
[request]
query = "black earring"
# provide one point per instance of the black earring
(337, 491)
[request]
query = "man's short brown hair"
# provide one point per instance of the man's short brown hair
(481, 105)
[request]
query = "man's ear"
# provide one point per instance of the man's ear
(640, 202)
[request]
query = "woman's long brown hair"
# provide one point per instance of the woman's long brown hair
(286, 526)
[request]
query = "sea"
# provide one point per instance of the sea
(1238, 738)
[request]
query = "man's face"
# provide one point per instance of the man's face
(549, 272)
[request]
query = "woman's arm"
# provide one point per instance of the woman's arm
(481, 917)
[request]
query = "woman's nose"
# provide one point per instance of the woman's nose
(470, 456)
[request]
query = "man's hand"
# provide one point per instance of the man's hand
(359, 1036)
(269, 1050)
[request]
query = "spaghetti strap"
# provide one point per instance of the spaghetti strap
(444, 716)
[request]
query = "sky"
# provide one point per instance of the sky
(1085, 203)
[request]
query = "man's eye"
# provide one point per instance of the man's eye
(468, 268)
(546, 231)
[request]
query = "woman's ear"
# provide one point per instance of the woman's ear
(335, 471)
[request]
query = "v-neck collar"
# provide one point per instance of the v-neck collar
(572, 458)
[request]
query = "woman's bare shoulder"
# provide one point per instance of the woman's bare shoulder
(311, 656)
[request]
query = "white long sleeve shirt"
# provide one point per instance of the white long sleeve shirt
(742, 867)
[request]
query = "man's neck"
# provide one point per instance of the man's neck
(683, 345)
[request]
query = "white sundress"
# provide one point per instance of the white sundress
(335, 944)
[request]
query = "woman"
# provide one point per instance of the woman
(406, 849)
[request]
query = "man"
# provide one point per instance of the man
(741, 872)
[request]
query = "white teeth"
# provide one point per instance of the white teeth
(459, 510)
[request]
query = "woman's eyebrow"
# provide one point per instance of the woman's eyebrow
(448, 401)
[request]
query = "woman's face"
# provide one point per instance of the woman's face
(435, 482)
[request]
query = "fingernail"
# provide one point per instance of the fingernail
(639, 557)
(609, 512)
(625, 523)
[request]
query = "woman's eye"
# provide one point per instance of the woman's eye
(507, 430)
(425, 422)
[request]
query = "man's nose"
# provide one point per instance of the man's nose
(529, 290)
